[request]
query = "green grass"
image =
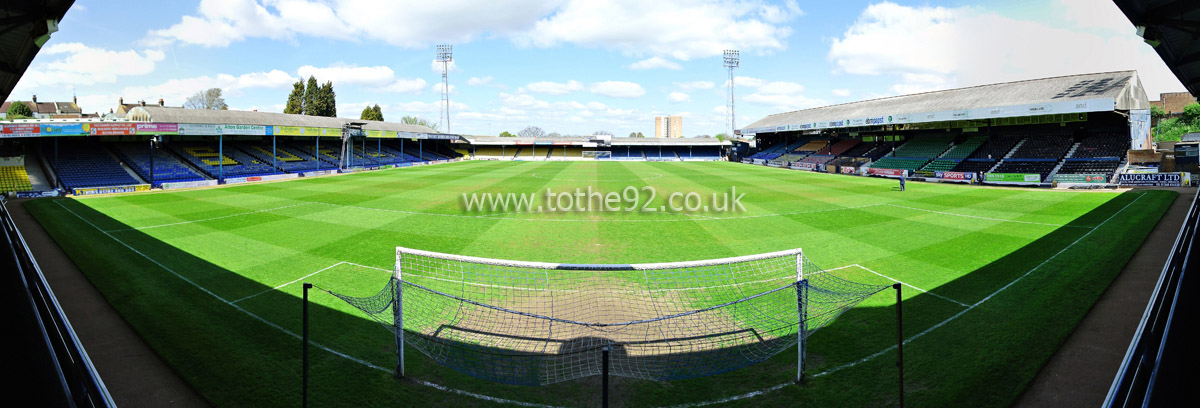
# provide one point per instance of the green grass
(1061, 248)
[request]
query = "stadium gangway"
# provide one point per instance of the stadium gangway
(1154, 370)
(77, 375)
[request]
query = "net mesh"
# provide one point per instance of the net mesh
(531, 323)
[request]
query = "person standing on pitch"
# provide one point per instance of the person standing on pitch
(902, 174)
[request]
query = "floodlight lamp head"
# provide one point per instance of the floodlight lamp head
(445, 53)
(731, 59)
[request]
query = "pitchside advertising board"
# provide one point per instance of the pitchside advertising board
(1081, 178)
(954, 175)
(112, 189)
(1013, 177)
(1155, 179)
(886, 172)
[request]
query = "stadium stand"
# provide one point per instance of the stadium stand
(899, 163)
(1044, 146)
(941, 165)
(1028, 167)
(964, 149)
(839, 147)
(14, 178)
(167, 167)
(88, 164)
(811, 147)
(286, 160)
(234, 162)
(923, 147)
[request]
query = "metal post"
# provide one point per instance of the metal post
(899, 343)
(304, 350)
(378, 149)
(421, 149)
(604, 373)
(221, 159)
(56, 183)
(398, 317)
(402, 148)
(274, 160)
(151, 162)
(801, 314)
(317, 153)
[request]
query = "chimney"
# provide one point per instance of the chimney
(35, 99)
(121, 100)
(74, 100)
(160, 102)
(143, 102)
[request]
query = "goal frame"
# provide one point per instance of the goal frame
(800, 285)
(597, 154)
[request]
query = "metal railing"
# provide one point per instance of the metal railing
(1150, 368)
(77, 375)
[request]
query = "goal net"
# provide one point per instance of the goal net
(542, 323)
(597, 154)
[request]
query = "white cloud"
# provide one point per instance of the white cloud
(437, 88)
(617, 89)
(841, 93)
(175, 91)
(218, 23)
(681, 29)
(654, 63)
(436, 67)
(376, 78)
(704, 27)
(350, 74)
(678, 97)
(484, 81)
(553, 88)
(75, 64)
(928, 48)
(688, 86)
(406, 86)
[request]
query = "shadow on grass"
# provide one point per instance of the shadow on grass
(233, 356)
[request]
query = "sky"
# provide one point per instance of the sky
(575, 67)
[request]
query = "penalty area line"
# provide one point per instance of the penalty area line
(293, 281)
(911, 286)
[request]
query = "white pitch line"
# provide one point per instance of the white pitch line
(208, 219)
(986, 218)
(286, 331)
(911, 286)
(289, 283)
(914, 337)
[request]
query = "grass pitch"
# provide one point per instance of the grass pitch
(997, 278)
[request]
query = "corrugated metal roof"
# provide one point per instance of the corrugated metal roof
(162, 114)
(1123, 87)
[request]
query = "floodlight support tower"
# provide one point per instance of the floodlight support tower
(731, 60)
(445, 55)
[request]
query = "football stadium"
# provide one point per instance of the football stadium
(1012, 243)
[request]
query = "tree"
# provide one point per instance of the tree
(310, 96)
(295, 100)
(639, 134)
(554, 134)
(721, 137)
(531, 131)
(420, 121)
(378, 112)
(19, 110)
(328, 100)
(632, 134)
(506, 134)
(1191, 114)
(206, 99)
(370, 113)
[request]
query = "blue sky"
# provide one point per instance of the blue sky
(575, 66)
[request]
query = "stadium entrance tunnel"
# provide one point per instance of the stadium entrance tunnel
(237, 352)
